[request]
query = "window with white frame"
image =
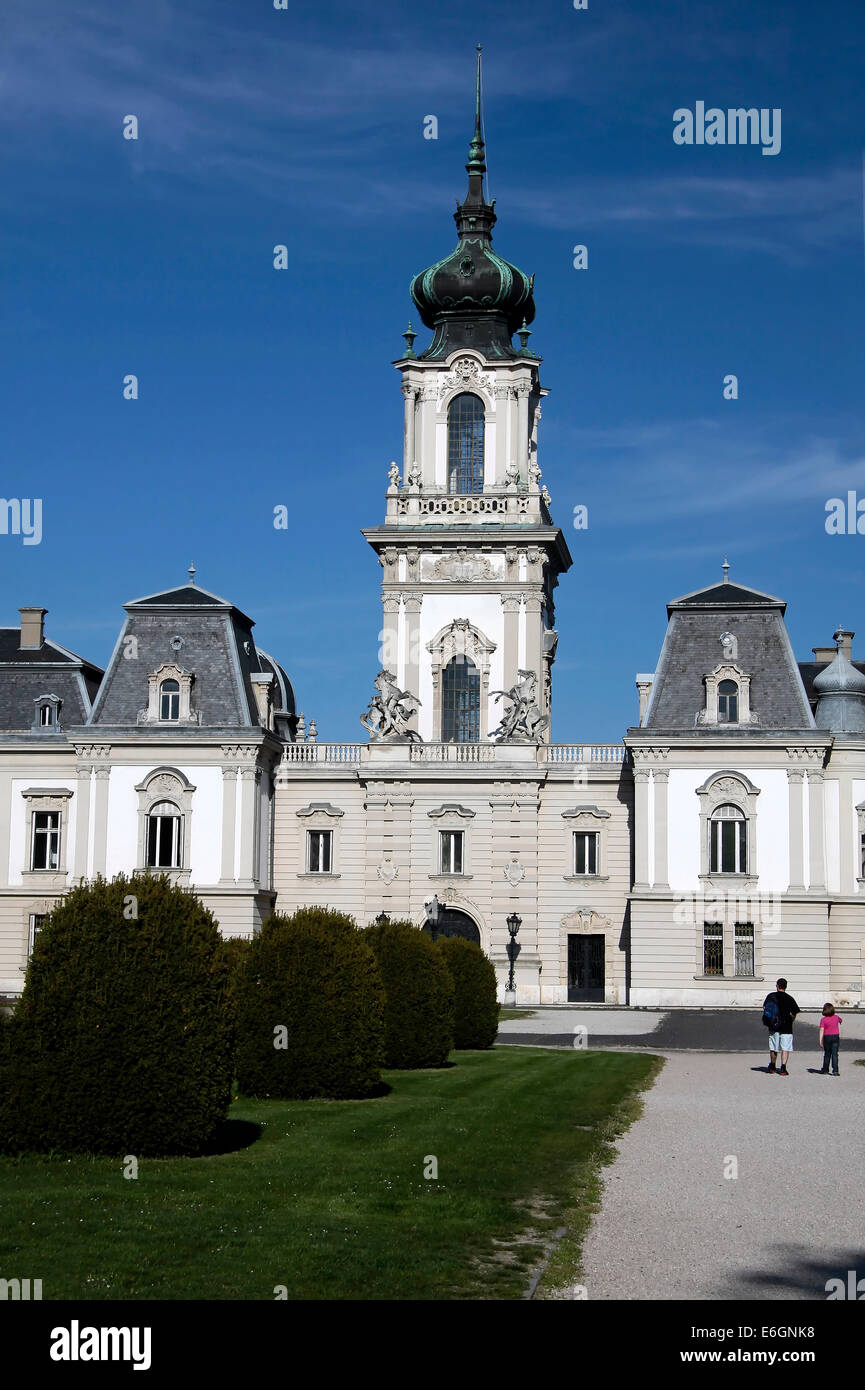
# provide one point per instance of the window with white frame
(743, 942)
(728, 840)
(728, 702)
(169, 700)
(36, 921)
(164, 839)
(586, 852)
(713, 948)
(45, 852)
(46, 716)
(319, 851)
(451, 842)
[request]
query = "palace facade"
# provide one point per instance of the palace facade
(719, 844)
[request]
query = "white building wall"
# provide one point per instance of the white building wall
(485, 612)
(773, 854)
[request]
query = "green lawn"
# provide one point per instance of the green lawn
(331, 1200)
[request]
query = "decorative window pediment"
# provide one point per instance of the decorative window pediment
(319, 812)
(164, 815)
(451, 811)
(169, 697)
(585, 812)
(728, 825)
(728, 697)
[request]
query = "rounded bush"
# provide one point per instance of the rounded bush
(418, 996)
(476, 1008)
(310, 1010)
(122, 1040)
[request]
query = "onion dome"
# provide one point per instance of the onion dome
(841, 694)
(473, 298)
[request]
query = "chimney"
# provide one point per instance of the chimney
(32, 623)
(844, 639)
(824, 654)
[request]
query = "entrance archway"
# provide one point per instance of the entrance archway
(452, 922)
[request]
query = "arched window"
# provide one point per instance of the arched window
(466, 444)
(728, 841)
(169, 700)
(461, 701)
(163, 836)
(728, 702)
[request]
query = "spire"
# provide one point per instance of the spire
(476, 217)
(191, 573)
(476, 167)
(726, 568)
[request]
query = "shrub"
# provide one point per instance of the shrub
(418, 994)
(122, 1039)
(476, 1009)
(313, 977)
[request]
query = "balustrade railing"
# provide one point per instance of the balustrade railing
(353, 754)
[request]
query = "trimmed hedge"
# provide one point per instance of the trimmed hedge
(476, 1008)
(310, 1010)
(419, 996)
(122, 1040)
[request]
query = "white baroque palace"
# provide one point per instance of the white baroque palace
(719, 845)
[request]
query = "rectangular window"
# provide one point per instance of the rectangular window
(36, 920)
(744, 942)
(452, 851)
(46, 716)
(713, 948)
(728, 846)
(320, 846)
(862, 856)
(46, 840)
(585, 851)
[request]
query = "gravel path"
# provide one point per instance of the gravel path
(673, 1227)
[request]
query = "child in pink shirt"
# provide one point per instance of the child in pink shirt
(829, 1038)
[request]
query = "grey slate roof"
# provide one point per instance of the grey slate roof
(692, 649)
(46, 670)
(217, 648)
(808, 670)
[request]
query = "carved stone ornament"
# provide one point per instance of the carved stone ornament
(514, 872)
(388, 871)
(462, 567)
(466, 375)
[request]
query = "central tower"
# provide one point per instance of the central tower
(470, 554)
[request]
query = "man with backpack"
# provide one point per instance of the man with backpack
(779, 1010)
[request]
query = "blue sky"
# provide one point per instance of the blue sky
(260, 388)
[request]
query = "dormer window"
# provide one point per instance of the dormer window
(169, 697)
(466, 444)
(728, 696)
(169, 700)
(728, 702)
(46, 716)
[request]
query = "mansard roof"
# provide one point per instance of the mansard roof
(693, 649)
(46, 670)
(207, 637)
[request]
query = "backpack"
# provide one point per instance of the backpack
(771, 1015)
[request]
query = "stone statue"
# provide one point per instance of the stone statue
(414, 476)
(535, 474)
(522, 721)
(390, 709)
(393, 474)
(545, 495)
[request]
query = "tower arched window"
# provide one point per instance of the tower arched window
(461, 701)
(163, 836)
(728, 702)
(466, 444)
(169, 700)
(728, 840)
